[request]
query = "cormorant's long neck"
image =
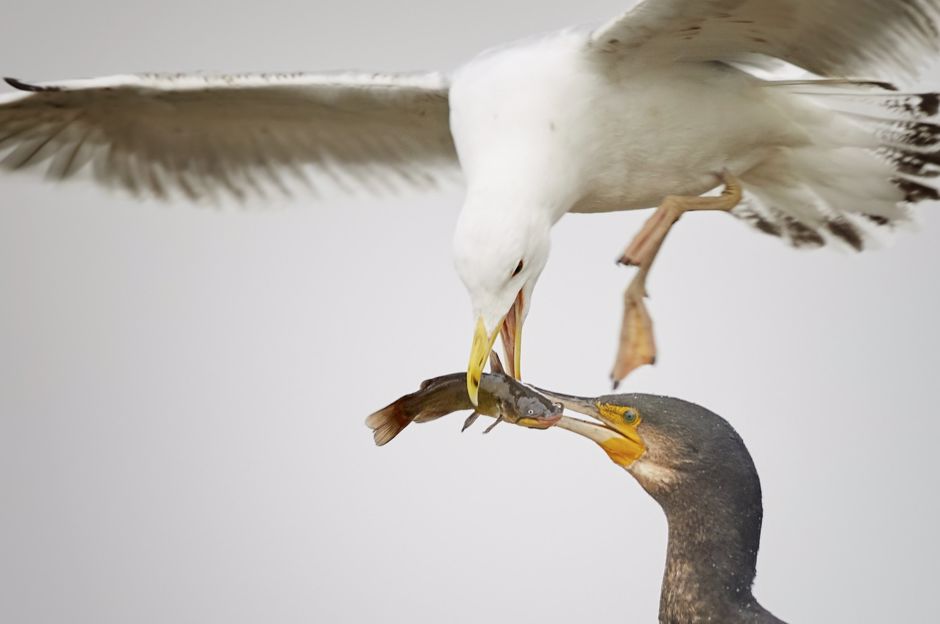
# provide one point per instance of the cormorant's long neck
(714, 534)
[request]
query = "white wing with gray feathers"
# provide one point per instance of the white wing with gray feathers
(826, 37)
(240, 134)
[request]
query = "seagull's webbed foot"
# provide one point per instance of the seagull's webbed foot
(637, 345)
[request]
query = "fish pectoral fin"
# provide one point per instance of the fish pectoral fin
(491, 427)
(472, 418)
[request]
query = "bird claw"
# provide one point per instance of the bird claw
(626, 261)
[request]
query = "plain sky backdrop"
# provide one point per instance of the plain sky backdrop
(182, 390)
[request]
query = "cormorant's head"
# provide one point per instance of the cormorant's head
(693, 463)
(657, 439)
(620, 432)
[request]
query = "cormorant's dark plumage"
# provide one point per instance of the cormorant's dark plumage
(698, 469)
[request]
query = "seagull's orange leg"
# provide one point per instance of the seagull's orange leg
(642, 249)
(637, 345)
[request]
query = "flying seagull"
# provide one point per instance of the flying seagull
(654, 108)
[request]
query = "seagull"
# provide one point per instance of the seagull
(654, 109)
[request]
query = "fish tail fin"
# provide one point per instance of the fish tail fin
(437, 397)
(389, 421)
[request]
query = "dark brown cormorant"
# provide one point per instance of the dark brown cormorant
(697, 468)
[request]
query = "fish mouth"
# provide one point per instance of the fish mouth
(540, 423)
(555, 412)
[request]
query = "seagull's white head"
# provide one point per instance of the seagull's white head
(499, 255)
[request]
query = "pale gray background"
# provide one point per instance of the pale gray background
(182, 390)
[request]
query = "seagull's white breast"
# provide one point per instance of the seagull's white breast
(518, 119)
(545, 121)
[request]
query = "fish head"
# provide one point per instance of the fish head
(517, 403)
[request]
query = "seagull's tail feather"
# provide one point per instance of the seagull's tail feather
(870, 153)
(437, 397)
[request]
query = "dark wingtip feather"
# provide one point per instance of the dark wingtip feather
(23, 86)
(916, 104)
(921, 133)
(759, 221)
(801, 235)
(916, 163)
(915, 191)
(844, 230)
(881, 84)
(930, 103)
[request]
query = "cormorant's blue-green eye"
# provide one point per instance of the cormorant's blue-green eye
(629, 416)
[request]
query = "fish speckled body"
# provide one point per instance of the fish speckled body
(500, 396)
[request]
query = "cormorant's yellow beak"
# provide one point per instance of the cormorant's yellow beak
(618, 434)
(510, 329)
(619, 449)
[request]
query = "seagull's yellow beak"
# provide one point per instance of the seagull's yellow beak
(479, 353)
(511, 334)
(510, 329)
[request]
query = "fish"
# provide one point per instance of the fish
(501, 397)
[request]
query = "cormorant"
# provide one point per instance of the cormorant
(695, 465)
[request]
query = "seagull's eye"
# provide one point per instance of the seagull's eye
(518, 269)
(629, 416)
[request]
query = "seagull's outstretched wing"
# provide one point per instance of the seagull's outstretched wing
(826, 37)
(241, 134)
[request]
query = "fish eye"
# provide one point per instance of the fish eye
(629, 416)
(518, 268)
(531, 412)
